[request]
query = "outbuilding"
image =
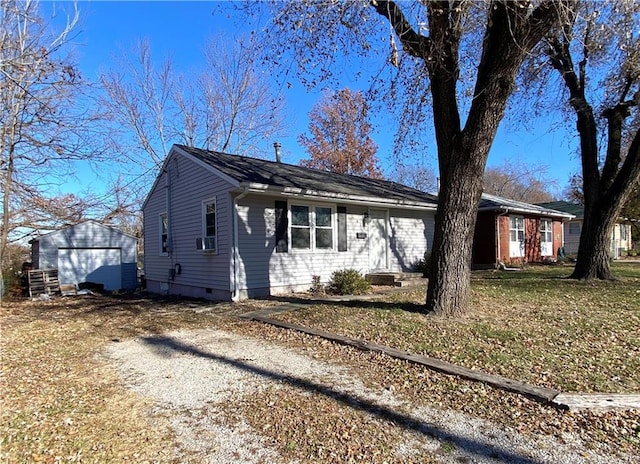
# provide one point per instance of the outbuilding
(89, 252)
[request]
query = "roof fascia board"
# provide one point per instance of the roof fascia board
(289, 192)
(506, 209)
(157, 179)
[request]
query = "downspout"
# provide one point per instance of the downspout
(504, 213)
(167, 183)
(235, 292)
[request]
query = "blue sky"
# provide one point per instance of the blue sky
(181, 29)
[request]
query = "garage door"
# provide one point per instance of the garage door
(100, 265)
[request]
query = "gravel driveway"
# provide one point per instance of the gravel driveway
(196, 377)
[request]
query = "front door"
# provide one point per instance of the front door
(378, 239)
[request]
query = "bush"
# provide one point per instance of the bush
(348, 282)
(316, 285)
(422, 265)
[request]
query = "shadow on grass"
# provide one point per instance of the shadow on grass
(353, 302)
(468, 445)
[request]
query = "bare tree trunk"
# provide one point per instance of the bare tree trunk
(595, 241)
(605, 188)
(449, 290)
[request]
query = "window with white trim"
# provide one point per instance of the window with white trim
(546, 237)
(209, 225)
(516, 228)
(516, 237)
(312, 227)
(164, 234)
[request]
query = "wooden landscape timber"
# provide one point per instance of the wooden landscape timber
(555, 398)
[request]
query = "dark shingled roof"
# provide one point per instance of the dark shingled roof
(571, 208)
(247, 170)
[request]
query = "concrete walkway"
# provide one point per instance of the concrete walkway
(555, 398)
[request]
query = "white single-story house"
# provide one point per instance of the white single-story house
(89, 252)
(620, 238)
(225, 227)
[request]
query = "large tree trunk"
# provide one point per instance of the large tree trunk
(511, 31)
(595, 242)
(605, 188)
(449, 289)
(605, 195)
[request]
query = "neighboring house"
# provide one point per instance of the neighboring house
(510, 231)
(223, 227)
(620, 238)
(88, 252)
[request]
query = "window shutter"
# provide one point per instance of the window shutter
(342, 228)
(282, 239)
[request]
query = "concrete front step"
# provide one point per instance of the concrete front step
(395, 279)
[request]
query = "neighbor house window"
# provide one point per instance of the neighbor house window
(546, 237)
(164, 234)
(209, 225)
(312, 227)
(516, 237)
(516, 228)
(623, 232)
(574, 228)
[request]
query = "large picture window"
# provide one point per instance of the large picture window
(312, 227)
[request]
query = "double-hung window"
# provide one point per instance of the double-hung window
(209, 225)
(516, 236)
(164, 234)
(312, 227)
(546, 237)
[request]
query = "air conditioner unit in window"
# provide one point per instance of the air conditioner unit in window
(206, 244)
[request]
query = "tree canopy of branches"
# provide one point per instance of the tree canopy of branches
(340, 138)
(441, 44)
(228, 106)
(518, 181)
(597, 56)
(40, 136)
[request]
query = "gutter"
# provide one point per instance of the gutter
(344, 198)
(235, 292)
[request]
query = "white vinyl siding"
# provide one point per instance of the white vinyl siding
(190, 186)
(410, 236)
(262, 268)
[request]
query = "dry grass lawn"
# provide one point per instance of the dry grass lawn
(61, 402)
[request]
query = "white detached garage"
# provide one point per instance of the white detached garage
(89, 252)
